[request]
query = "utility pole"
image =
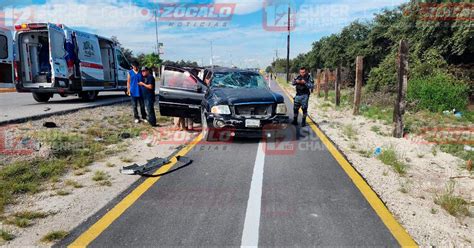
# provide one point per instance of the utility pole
(288, 48)
(274, 64)
(212, 58)
(156, 29)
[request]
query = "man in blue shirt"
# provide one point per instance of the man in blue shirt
(134, 91)
(147, 86)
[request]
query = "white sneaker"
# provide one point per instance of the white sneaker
(137, 121)
(145, 120)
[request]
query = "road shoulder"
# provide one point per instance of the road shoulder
(410, 197)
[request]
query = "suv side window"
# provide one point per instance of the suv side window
(177, 79)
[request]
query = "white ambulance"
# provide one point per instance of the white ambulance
(54, 59)
(6, 58)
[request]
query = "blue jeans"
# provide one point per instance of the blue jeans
(138, 101)
(150, 109)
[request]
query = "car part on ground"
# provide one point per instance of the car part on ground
(154, 164)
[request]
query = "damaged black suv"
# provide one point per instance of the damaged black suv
(232, 101)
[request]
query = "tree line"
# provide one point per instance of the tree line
(439, 47)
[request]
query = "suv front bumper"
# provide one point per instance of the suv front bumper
(237, 126)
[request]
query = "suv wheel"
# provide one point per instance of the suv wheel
(42, 97)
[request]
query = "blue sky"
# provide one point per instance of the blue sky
(244, 40)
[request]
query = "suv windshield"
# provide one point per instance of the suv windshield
(238, 80)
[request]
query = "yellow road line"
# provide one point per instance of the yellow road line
(105, 221)
(400, 234)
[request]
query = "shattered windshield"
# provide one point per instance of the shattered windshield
(238, 80)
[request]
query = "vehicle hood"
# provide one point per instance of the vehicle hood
(230, 96)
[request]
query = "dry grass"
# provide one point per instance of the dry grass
(54, 236)
(454, 205)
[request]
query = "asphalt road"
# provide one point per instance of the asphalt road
(249, 193)
(18, 106)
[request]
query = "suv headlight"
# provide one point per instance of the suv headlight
(281, 109)
(221, 110)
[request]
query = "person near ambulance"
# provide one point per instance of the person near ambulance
(304, 84)
(147, 86)
(133, 90)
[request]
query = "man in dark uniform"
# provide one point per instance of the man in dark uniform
(147, 87)
(304, 85)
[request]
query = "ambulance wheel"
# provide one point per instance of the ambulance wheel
(42, 97)
(88, 96)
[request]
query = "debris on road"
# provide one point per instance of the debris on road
(153, 165)
(50, 124)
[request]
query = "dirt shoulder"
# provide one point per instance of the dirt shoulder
(428, 191)
(54, 205)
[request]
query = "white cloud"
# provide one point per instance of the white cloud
(243, 7)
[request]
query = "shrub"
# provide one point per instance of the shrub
(384, 76)
(438, 92)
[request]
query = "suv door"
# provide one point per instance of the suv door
(180, 93)
(6, 56)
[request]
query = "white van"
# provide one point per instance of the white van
(52, 58)
(6, 58)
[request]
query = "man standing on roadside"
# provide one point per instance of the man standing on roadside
(133, 90)
(147, 86)
(304, 84)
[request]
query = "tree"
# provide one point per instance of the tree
(151, 60)
(126, 52)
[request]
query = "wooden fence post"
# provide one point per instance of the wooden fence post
(400, 104)
(326, 83)
(337, 86)
(358, 83)
(318, 82)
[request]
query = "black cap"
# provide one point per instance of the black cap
(144, 68)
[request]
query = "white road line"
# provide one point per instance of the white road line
(252, 215)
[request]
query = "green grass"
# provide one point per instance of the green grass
(389, 157)
(19, 222)
(365, 153)
(349, 132)
(454, 205)
(377, 113)
(54, 236)
(102, 178)
(63, 192)
(27, 177)
(70, 150)
(73, 183)
(30, 215)
(458, 151)
(108, 164)
(6, 236)
(25, 218)
(126, 159)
